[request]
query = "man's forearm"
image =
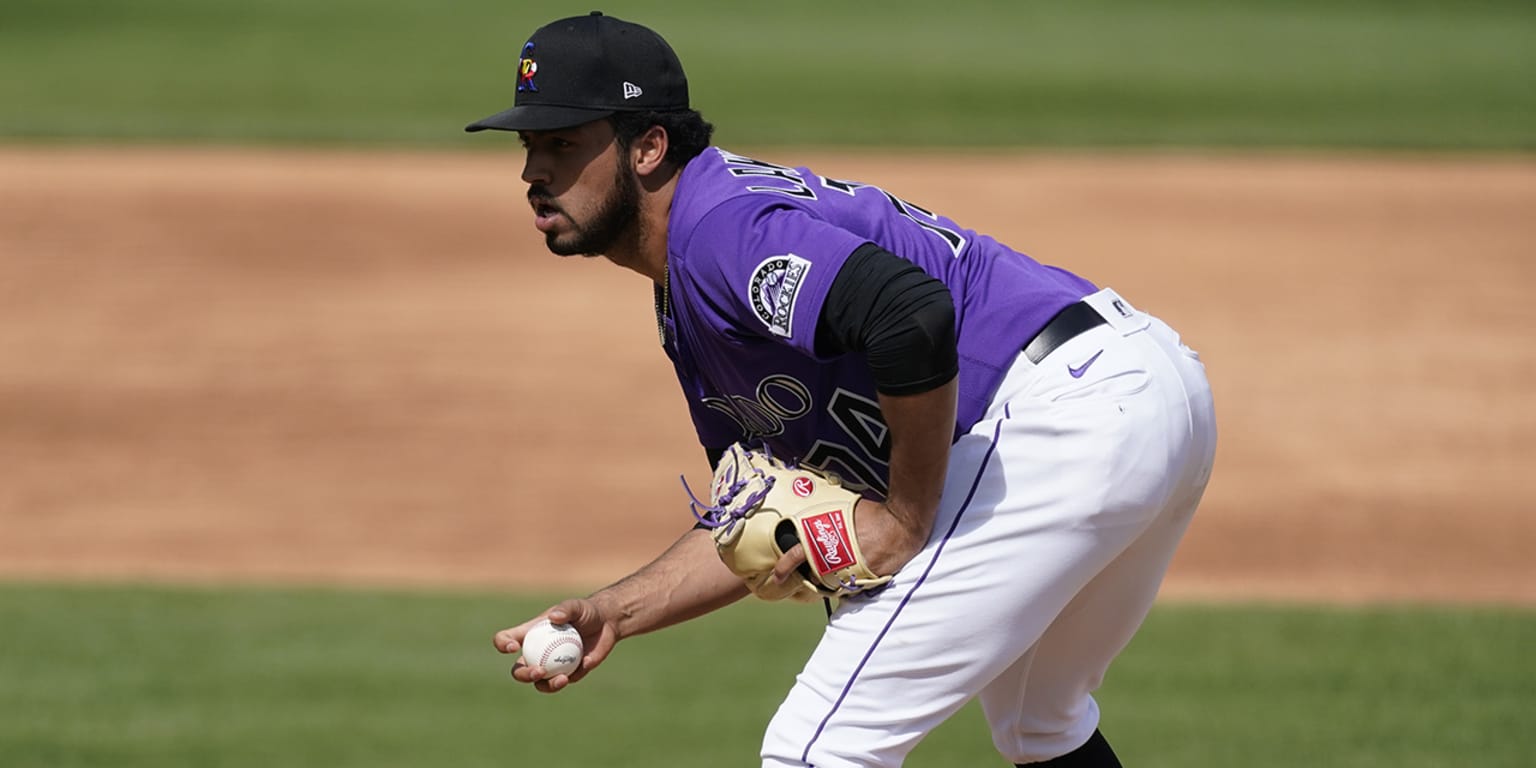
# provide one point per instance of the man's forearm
(686, 581)
(922, 429)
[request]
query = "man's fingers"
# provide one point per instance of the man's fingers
(541, 680)
(507, 642)
(787, 564)
(574, 611)
(526, 673)
(510, 640)
(553, 685)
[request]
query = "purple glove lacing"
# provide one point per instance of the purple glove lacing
(715, 516)
(729, 509)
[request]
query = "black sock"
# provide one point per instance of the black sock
(1095, 754)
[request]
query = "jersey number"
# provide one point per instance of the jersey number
(915, 213)
(860, 419)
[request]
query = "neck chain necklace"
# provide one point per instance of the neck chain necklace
(663, 296)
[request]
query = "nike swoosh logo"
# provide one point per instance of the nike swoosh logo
(1077, 373)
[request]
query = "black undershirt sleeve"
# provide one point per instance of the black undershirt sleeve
(899, 317)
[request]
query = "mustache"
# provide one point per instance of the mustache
(539, 197)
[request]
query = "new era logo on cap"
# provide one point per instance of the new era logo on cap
(585, 68)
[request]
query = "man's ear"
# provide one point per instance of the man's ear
(648, 152)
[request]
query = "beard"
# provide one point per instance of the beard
(613, 220)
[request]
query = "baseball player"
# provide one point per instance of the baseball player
(1027, 447)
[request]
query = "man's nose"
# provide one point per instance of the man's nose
(535, 172)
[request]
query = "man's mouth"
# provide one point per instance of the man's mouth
(544, 213)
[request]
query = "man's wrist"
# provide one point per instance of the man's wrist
(610, 608)
(912, 519)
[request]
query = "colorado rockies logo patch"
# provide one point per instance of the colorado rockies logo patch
(775, 283)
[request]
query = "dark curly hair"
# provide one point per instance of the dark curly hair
(688, 133)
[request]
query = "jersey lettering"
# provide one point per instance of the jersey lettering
(778, 399)
(861, 461)
(794, 185)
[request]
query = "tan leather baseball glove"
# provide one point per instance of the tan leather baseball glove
(760, 507)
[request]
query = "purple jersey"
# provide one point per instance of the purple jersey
(752, 248)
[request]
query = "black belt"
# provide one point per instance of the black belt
(1067, 323)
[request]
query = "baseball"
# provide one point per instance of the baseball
(555, 647)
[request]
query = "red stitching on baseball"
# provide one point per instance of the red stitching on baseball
(549, 651)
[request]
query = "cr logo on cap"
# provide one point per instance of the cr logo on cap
(526, 69)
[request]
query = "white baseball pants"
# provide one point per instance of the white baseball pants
(1062, 510)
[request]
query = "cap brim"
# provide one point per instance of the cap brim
(538, 117)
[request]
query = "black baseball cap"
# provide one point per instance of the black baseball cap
(584, 68)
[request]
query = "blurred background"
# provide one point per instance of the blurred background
(296, 409)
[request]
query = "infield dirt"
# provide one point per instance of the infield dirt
(297, 366)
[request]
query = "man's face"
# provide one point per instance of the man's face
(584, 194)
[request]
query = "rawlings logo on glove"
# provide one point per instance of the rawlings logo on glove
(760, 507)
(832, 541)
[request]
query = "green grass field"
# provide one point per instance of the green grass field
(123, 676)
(1306, 73)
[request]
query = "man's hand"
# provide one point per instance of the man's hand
(598, 636)
(892, 533)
